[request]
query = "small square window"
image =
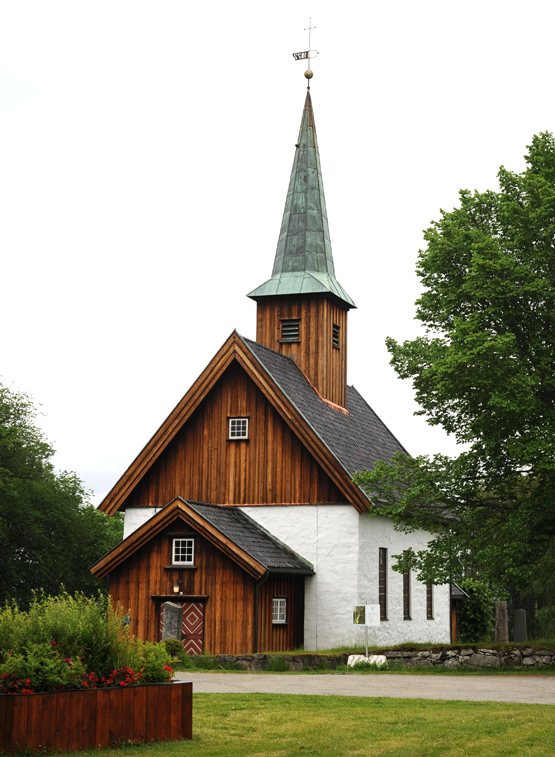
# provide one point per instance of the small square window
(279, 610)
(238, 428)
(183, 552)
(290, 330)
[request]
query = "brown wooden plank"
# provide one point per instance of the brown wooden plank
(127, 714)
(187, 710)
(19, 722)
(88, 731)
(115, 717)
(75, 730)
(63, 719)
(49, 706)
(102, 718)
(139, 713)
(176, 719)
(164, 712)
(5, 723)
(152, 712)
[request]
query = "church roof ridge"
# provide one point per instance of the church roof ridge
(304, 262)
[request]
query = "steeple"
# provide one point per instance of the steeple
(302, 310)
(304, 262)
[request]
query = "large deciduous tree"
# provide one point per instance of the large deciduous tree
(485, 371)
(49, 533)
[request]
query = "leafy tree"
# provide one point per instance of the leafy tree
(49, 534)
(475, 615)
(485, 371)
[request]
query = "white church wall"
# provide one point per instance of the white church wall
(344, 547)
(375, 533)
(135, 517)
(326, 535)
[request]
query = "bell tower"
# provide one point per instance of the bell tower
(302, 309)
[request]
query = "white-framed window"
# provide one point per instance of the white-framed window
(238, 428)
(279, 610)
(183, 552)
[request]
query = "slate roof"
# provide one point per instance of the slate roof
(357, 440)
(253, 539)
(304, 261)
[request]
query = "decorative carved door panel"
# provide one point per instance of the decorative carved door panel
(193, 627)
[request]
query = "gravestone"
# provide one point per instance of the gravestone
(172, 621)
(501, 622)
(520, 626)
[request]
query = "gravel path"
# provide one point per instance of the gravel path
(526, 689)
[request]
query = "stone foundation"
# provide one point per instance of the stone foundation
(447, 657)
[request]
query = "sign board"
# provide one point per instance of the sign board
(366, 615)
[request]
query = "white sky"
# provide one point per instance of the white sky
(145, 153)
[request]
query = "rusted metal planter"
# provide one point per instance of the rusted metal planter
(67, 721)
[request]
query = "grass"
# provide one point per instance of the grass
(273, 725)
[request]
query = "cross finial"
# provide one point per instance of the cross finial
(307, 54)
(309, 29)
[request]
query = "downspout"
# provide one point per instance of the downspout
(256, 589)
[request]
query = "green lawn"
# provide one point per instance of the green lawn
(273, 725)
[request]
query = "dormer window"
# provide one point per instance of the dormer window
(238, 428)
(335, 336)
(290, 330)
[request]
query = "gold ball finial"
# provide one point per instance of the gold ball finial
(308, 74)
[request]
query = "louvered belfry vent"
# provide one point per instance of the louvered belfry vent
(290, 330)
(335, 336)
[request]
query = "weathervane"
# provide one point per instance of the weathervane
(307, 54)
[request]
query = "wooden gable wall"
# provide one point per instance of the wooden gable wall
(271, 467)
(140, 581)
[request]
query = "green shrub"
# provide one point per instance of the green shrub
(154, 662)
(205, 662)
(174, 647)
(277, 664)
(43, 668)
(475, 615)
(89, 632)
(323, 664)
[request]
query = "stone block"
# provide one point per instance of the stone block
(528, 661)
(512, 660)
(423, 654)
(225, 658)
(466, 652)
(296, 666)
(483, 661)
(520, 627)
(501, 621)
(373, 659)
(172, 621)
(542, 659)
(451, 663)
(437, 657)
(527, 652)
(397, 654)
(245, 657)
(243, 664)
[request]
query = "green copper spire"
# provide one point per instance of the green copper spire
(304, 261)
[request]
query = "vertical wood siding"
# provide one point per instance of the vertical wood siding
(229, 609)
(325, 366)
(201, 464)
(281, 637)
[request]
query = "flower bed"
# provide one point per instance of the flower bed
(81, 719)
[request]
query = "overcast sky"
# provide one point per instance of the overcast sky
(145, 153)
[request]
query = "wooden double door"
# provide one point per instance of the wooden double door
(192, 628)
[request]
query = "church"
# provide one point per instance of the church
(242, 508)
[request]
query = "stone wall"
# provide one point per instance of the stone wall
(448, 657)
